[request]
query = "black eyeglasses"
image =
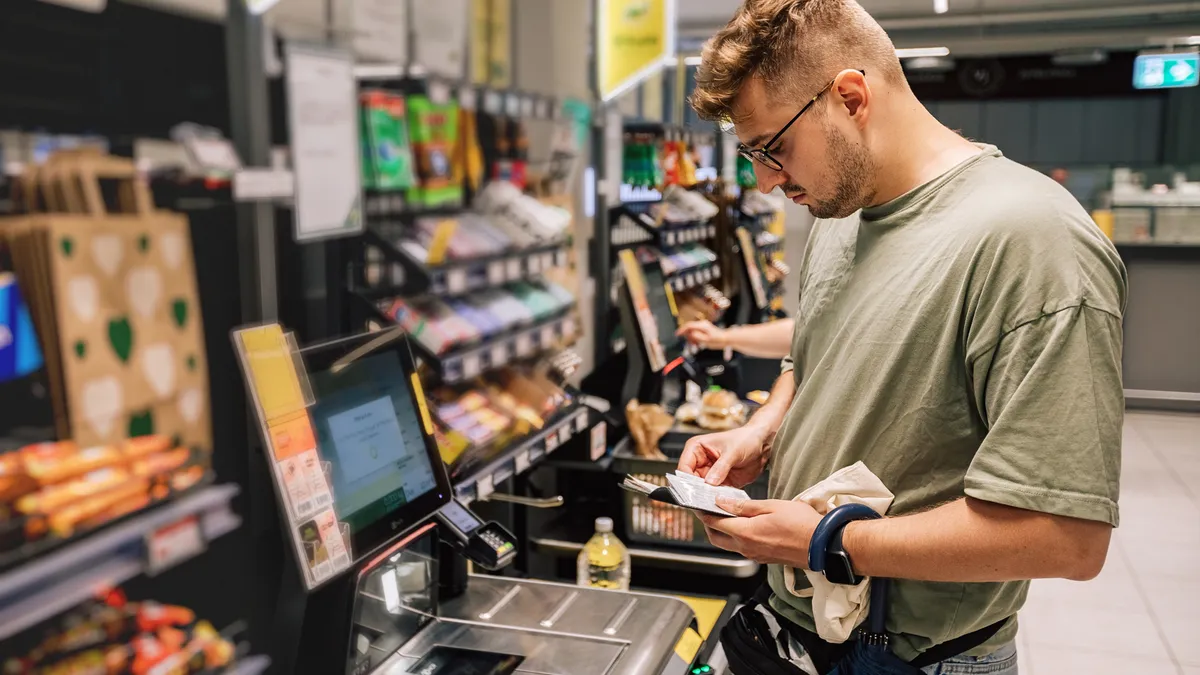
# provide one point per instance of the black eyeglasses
(762, 154)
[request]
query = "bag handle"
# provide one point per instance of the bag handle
(133, 195)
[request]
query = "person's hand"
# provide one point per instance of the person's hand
(735, 457)
(704, 334)
(768, 531)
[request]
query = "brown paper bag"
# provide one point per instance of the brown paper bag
(118, 308)
(648, 423)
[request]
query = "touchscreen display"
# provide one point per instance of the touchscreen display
(368, 428)
(460, 517)
(656, 293)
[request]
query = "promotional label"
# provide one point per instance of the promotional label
(635, 38)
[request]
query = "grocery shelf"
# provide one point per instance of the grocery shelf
(455, 277)
(51, 584)
(692, 277)
(478, 485)
(665, 234)
(250, 665)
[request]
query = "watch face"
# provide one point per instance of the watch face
(838, 568)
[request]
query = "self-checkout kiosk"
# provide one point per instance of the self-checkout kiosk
(380, 540)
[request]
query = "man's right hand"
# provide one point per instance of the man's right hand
(735, 457)
(704, 334)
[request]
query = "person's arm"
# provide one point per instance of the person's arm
(771, 340)
(971, 540)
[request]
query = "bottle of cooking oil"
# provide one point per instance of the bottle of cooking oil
(604, 560)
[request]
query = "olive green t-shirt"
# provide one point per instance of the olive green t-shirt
(963, 339)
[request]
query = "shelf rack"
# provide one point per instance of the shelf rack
(667, 234)
(478, 485)
(456, 277)
(691, 277)
(54, 583)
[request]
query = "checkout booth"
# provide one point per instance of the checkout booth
(397, 576)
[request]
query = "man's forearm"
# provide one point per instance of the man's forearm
(770, 416)
(970, 540)
(768, 340)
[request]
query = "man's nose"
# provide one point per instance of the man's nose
(767, 178)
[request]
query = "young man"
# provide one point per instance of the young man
(959, 332)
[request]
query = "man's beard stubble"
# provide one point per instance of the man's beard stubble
(853, 169)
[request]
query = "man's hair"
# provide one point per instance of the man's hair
(795, 47)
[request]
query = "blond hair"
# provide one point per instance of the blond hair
(795, 47)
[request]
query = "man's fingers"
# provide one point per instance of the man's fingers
(719, 470)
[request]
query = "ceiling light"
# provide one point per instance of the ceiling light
(920, 52)
(692, 61)
(941, 6)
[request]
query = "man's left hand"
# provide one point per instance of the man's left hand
(769, 531)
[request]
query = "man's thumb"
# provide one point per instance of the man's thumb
(743, 508)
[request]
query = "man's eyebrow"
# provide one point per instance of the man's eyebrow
(757, 140)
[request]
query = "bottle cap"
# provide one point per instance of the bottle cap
(604, 525)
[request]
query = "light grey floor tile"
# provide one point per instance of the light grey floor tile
(1121, 632)
(1049, 660)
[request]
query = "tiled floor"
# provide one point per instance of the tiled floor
(1142, 614)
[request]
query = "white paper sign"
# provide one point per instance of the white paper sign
(472, 365)
(381, 30)
(524, 344)
(513, 268)
(521, 462)
(547, 337)
(581, 421)
(323, 116)
(255, 184)
(499, 355)
(484, 487)
(457, 280)
(495, 272)
(440, 38)
(168, 546)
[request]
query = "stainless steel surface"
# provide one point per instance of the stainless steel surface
(547, 503)
(595, 632)
(720, 565)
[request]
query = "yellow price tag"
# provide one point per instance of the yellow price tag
(671, 300)
(441, 240)
(421, 404)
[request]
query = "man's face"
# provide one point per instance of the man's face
(823, 168)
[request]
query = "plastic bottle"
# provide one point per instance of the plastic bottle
(604, 560)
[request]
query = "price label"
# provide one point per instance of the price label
(526, 106)
(581, 421)
(472, 365)
(534, 264)
(524, 345)
(691, 280)
(552, 441)
(499, 354)
(560, 259)
(484, 487)
(493, 102)
(456, 281)
(521, 462)
(513, 268)
(670, 237)
(547, 261)
(512, 105)
(679, 283)
(495, 272)
(466, 98)
(564, 434)
(712, 231)
(439, 92)
(569, 328)
(599, 445)
(543, 109)
(547, 338)
(168, 546)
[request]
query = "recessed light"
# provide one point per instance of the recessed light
(941, 6)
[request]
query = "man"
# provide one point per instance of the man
(959, 332)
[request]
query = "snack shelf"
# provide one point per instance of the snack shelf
(692, 277)
(51, 584)
(768, 243)
(510, 102)
(523, 454)
(455, 277)
(666, 234)
(464, 363)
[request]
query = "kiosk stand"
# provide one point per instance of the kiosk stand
(372, 518)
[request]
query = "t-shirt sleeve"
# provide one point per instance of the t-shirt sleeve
(1050, 394)
(786, 365)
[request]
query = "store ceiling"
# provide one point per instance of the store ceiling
(988, 27)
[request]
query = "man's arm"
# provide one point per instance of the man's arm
(770, 416)
(971, 540)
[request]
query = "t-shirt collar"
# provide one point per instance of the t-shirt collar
(922, 192)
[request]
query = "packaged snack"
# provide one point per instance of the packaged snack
(56, 497)
(388, 160)
(159, 463)
(141, 446)
(64, 520)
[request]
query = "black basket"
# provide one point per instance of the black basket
(652, 522)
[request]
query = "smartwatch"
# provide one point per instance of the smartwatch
(826, 554)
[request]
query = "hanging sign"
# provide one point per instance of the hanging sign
(1166, 71)
(381, 31)
(439, 31)
(634, 39)
(323, 116)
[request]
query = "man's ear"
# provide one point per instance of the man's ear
(854, 94)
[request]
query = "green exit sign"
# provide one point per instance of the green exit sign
(1166, 71)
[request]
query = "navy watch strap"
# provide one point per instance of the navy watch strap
(831, 524)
